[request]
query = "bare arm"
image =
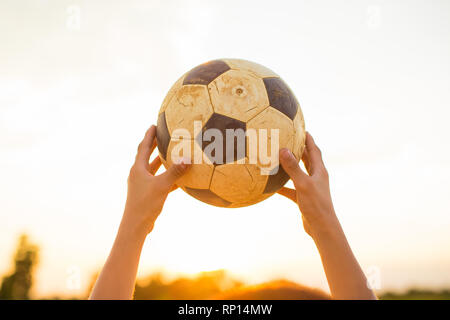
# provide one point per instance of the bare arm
(145, 200)
(312, 194)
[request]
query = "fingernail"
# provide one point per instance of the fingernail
(183, 160)
(286, 153)
(186, 160)
(185, 163)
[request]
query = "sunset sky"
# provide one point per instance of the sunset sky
(81, 81)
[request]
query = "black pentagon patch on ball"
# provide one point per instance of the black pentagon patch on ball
(207, 196)
(205, 73)
(230, 150)
(162, 135)
(281, 97)
(276, 181)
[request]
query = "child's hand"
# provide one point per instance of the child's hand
(145, 199)
(147, 192)
(312, 192)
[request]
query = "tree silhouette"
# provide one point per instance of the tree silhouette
(17, 285)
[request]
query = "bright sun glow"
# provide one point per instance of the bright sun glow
(78, 93)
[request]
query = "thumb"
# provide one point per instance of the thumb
(292, 168)
(171, 175)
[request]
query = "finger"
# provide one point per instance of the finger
(306, 161)
(146, 147)
(171, 175)
(154, 143)
(154, 165)
(288, 193)
(290, 165)
(314, 154)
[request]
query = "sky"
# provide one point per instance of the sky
(81, 81)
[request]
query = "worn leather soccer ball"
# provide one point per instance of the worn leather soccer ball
(229, 94)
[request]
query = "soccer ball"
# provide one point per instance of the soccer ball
(231, 97)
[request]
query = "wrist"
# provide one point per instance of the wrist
(134, 227)
(325, 227)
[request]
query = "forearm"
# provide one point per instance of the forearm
(344, 274)
(118, 276)
(145, 199)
